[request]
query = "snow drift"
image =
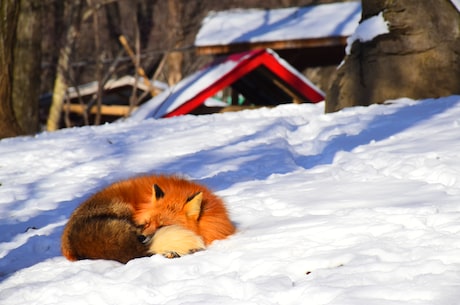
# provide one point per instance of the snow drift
(355, 207)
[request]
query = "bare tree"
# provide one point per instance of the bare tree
(19, 66)
(74, 9)
(419, 58)
(27, 65)
(175, 36)
(93, 5)
(9, 13)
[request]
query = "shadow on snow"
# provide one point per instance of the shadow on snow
(258, 163)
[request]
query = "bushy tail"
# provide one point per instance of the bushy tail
(174, 241)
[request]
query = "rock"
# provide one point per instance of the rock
(419, 58)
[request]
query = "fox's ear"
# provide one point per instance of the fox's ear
(157, 193)
(193, 206)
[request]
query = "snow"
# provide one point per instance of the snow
(368, 30)
(355, 207)
(456, 3)
(349, 208)
(258, 25)
(127, 80)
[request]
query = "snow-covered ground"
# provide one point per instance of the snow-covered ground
(355, 207)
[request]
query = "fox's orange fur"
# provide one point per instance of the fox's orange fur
(146, 215)
(184, 203)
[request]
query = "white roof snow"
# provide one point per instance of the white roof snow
(259, 25)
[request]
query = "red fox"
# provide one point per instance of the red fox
(146, 215)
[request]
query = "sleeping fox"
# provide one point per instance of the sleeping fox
(143, 216)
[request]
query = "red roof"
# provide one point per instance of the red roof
(260, 75)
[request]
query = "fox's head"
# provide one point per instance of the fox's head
(169, 208)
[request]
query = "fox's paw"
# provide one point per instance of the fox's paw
(191, 251)
(171, 254)
(174, 254)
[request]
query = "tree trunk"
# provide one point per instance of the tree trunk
(9, 12)
(61, 83)
(99, 63)
(27, 66)
(418, 59)
(174, 59)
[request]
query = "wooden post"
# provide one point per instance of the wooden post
(139, 69)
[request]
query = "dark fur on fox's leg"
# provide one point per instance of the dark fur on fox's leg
(104, 230)
(117, 239)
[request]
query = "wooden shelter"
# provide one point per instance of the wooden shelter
(307, 36)
(261, 76)
(115, 99)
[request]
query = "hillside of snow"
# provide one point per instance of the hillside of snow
(355, 207)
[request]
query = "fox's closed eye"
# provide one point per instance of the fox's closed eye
(144, 239)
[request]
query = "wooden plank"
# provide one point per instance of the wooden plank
(112, 110)
(275, 45)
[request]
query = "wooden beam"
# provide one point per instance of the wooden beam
(295, 98)
(275, 45)
(113, 110)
